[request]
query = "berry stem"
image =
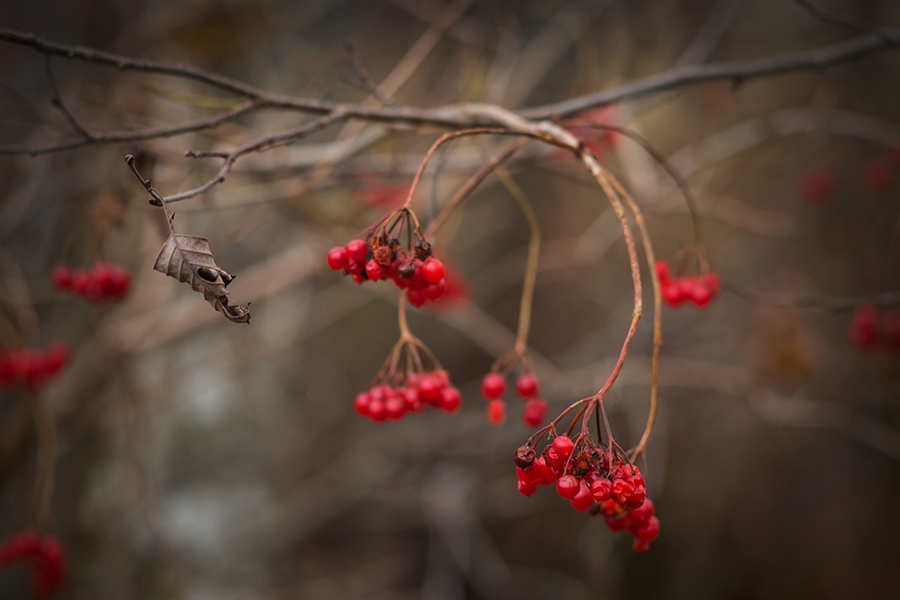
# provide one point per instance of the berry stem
(649, 255)
(534, 248)
(473, 182)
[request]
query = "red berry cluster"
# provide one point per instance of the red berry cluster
(46, 554)
(101, 282)
(697, 289)
(385, 400)
(33, 368)
(872, 329)
(493, 386)
(592, 478)
(421, 275)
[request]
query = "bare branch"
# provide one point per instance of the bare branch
(891, 298)
(817, 58)
(56, 99)
(448, 116)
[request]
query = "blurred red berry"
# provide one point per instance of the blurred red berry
(877, 175)
(337, 258)
(818, 185)
(496, 412)
(527, 385)
(493, 386)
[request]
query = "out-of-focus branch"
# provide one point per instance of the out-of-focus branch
(891, 298)
(449, 116)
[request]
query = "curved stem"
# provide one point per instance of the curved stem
(657, 314)
(534, 248)
(473, 182)
(680, 182)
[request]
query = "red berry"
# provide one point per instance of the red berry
(583, 499)
(357, 250)
(415, 296)
(430, 387)
(700, 294)
(864, 328)
(377, 410)
(433, 270)
(818, 185)
(601, 490)
(568, 486)
(662, 272)
(641, 513)
(563, 446)
(62, 277)
(640, 545)
(535, 412)
(493, 386)
(434, 291)
(373, 270)
(337, 258)
(672, 294)
(80, 281)
(451, 399)
(613, 522)
(496, 412)
(649, 530)
(622, 490)
(529, 475)
(395, 407)
(527, 488)
(877, 175)
(527, 385)
(361, 403)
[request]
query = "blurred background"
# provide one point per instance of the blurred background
(201, 459)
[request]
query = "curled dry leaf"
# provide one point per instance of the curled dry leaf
(187, 258)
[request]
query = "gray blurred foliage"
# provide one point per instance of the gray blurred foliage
(200, 459)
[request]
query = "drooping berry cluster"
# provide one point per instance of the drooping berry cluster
(46, 555)
(33, 368)
(592, 477)
(103, 281)
(493, 387)
(872, 329)
(389, 401)
(381, 256)
(699, 290)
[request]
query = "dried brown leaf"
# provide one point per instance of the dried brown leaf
(188, 259)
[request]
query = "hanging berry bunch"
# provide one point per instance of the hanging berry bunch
(103, 281)
(698, 289)
(33, 368)
(493, 388)
(410, 380)
(595, 476)
(380, 255)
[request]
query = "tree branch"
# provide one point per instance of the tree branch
(453, 116)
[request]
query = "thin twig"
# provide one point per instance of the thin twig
(891, 298)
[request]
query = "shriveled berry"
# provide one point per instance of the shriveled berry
(527, 385)
(337, 258)
(601, 490)
(528, 475)
(493, 386)
(524, 457)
